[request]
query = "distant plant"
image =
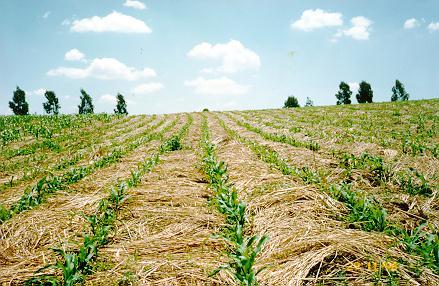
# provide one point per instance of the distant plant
(398, 92)
(18, 105)
(291, 102)
(121, 107)
(344, 94)
(309, 102)
(51, 106)
(86, 105)
(365, 93)
(205, 110)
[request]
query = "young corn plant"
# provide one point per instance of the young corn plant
(242, 250)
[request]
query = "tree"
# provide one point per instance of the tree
(309, 102)
(291, 102)
(365, 93)
(18, 105)
(121, 107)
(86, 105)
(344, 94)
(398, 92)
(51, 106)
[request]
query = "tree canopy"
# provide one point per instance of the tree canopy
(344, 94)
(365, 93)
(291, 102)
(398, 92)
(19, 105)
(51, 106)
(86, 105)
(121, 107)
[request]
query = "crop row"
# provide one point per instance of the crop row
(243, 248)
(365, 212)
(79, 153)
(14, 128)
(77, 263)
(53, 183)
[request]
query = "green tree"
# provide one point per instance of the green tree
(121, 107)
(398, 92)
(86, 105)
(344, 94)
(19, 105)
(51, 106)
(309, 102)
(365, 93)
(291, 102)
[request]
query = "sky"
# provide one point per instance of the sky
(170, 56)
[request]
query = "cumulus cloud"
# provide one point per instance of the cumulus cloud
(74, 55)
(108, 98)
(411, 23)
(104, 69)
(39, 92)
(134, 4)
(113, 22)
(217, 86)
(315, 19)
(433, 26)
(148, 88)
(354, 86)
(360, 29)
(233, 55)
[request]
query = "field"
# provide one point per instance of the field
(338, 195)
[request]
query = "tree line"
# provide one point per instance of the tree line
(364, 94)
(19, 105)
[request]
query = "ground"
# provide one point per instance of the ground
(346, 195)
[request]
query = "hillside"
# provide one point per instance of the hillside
(334, 195)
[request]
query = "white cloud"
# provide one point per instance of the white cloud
(433, 26)
(104, 69)
(315, 19)
(411, 23)
(360, 29)
(234, 56)
(147, 88)
(113, 22)
(46, 15)
(354, 86)
(74, 55)
(40, 91)
(108, 98)
(66, 22)
(216, 86)
(134, 4)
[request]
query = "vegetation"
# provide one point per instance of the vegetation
(344, 94)
(365, 93)
(291, 102)
(121, 106)
(398, 92)
(347, 195)
(51, 106)
(309, 102)
(86, 105)
(19, 105)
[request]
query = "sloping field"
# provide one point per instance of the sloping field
(339, 195)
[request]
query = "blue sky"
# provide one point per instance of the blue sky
(172, 56)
